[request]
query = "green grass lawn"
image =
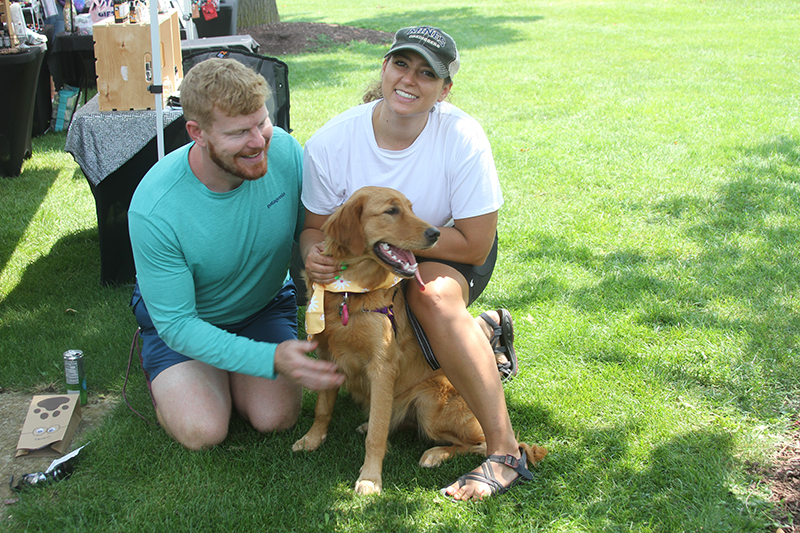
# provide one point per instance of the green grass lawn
(649, 154)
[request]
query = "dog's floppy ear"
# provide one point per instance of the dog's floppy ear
(343, 229)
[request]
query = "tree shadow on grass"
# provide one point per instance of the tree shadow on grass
(20, 198)
(748, 236)
(257, 472)
(742, 283)
(469, 29)
(59, 304)
(683, 488)
(410, 496)
(745, 278)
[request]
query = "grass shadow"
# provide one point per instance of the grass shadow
(59, 304)
(21, 198)
(600, 459)
(126, 479)
(664, 496)
(470, 29)
(746, 239)
(465, 24)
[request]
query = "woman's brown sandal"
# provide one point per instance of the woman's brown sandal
(520, 466)
(503, 343)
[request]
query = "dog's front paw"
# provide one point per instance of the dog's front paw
(308, 443)
(363, 428)
(366, 486)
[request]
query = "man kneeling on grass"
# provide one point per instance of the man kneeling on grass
(212, 226)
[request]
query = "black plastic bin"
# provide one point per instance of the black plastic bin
(19, 76)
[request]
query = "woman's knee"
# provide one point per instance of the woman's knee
(441, 295)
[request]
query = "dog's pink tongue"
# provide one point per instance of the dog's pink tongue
(419, 280)
(408, 257)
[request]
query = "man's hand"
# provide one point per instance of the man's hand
(292, 362)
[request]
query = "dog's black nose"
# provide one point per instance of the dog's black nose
(432, 234)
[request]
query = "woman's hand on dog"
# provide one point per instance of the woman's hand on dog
(321, 268)
(292, 362)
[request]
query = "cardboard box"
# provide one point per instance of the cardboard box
(124, 62)
(50, 425)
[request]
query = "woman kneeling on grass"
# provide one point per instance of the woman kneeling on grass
(407, 138)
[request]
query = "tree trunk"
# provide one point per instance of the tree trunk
(257, 12)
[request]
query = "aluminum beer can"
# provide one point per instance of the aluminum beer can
(76, 374)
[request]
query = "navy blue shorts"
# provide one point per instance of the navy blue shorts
(275, 323)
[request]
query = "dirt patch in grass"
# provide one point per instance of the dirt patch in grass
(284, 38)
(783, 480)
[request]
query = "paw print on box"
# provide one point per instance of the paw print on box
(51, 407)
(47, 408)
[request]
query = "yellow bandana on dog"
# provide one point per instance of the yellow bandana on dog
(315, 311)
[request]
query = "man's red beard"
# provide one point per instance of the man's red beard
(232, 166)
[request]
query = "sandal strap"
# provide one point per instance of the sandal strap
(520, 466)
(497, 331)
(494, 485)
(506, 368)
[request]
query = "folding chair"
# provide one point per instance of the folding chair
(275, 71)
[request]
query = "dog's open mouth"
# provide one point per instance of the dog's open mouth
(401, 261)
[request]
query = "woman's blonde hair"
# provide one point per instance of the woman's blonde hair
(374, 92)
(224, 84)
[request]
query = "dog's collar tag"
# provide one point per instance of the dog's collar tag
(344, 311)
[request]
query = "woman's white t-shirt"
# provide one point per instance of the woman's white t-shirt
(447, 173)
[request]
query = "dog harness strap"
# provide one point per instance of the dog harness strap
(422, 339)
(389, 312)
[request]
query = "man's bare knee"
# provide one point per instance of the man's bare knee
(197, 435)
(203, 439)
(268, 405)
(276, 421)
(281, 424)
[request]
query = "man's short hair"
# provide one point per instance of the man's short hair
(224, 84)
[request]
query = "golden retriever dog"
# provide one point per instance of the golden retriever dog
(369, 337)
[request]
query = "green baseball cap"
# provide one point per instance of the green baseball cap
(438, 48)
